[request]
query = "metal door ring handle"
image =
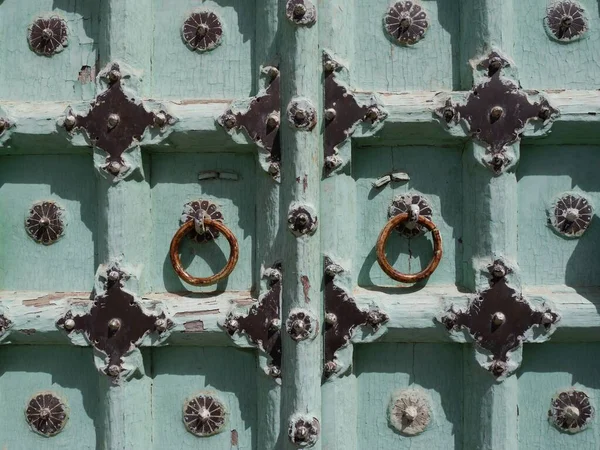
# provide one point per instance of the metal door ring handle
(234, 252)
(387, 267)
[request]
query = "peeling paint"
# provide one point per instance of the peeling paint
(195, 313)
(194, 326)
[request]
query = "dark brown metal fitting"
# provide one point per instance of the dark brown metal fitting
(302, 221)
(46, 414)
(406, 22)
(571, 411)
(47, 36)
(204, 415)
(202, 31)
(299, 325)
(498, 270)
(565, 21)
(45, 222)
(302, 114)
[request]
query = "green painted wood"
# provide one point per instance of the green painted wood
(69, 264)
(226, 72)
(382, 369)
(440, 183)
(56, 78)
(547, 370)
(378, 64)
(68, 372)
(182, 372)
(174, 182)
(301, 160)
(545, 258)
(546, 64)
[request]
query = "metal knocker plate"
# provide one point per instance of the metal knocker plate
(184, 230)
(385, 234)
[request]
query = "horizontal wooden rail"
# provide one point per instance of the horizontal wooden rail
(197, 317)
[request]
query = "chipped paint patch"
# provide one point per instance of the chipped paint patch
(305, 287)
(194, 326)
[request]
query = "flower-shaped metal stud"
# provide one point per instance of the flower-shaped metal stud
(302, 220)
(571, 411)
(196, 210)
(202, 31)
(47, 36)
(406, 22)
(304, 431)
(571, 215)
(409, 411)
(204, 415)
(407, 203)
(46, 414)
(44, 223)
(302, 114)
(565, 21)
(299, 325)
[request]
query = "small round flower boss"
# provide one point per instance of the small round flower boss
(565, 21)
(406, 22)
(202, 31)
(46, 414)
(204, 415)
(47, 36)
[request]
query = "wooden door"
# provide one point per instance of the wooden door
(278, 224)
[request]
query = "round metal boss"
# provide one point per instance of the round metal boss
(204, 415)
(571, 214)
(46, 414)
(403, 204)
(571, 411)
(47, 36)
(44, 223)
(406, 22)
(565, 21)
(409, 411)
(197, 210)
(202, 31)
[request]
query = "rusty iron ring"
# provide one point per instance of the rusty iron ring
(176, 260)
(387, 267)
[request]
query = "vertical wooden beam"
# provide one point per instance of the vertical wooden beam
(300, 185)
(338, 235)
(125, 224)
(268, 233)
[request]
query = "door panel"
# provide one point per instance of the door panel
(384, 369)
(64, 371)
(28, 76)
(69, 181)
(573, 366)
(175, 182)
(380, 65)
(440, 184)
(180, 373)
(179, 72)
(545, 174)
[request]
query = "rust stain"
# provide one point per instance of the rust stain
(194, 326)
(305, 287)
(234, 437)
(195, 313)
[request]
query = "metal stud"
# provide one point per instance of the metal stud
(273, 120)
(204, 415)
(299, 325)
(330, 114)
(69, 324)
(161, 325)
(202, 31)
(302, 114)
(161, 119)
(46, 414)
(304, 431)
(114, 75)
(301, 12)
(496, 113)
(44, 223)
(114, 324)
(498, 318)
(114, 275)
(113, 120)
(409, 411)
(69, 122)
(331, 318)
(48, 36)
(571, 411)
(113, 370)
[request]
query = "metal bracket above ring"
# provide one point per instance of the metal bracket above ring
(410, 203)
(197, 210)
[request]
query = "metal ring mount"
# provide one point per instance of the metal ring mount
(387, 267)
(234, 252)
